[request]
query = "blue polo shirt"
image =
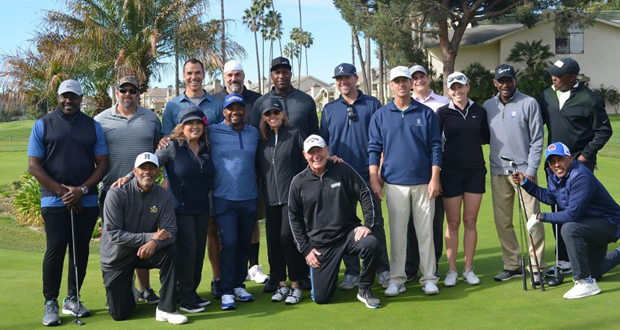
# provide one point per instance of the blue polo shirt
(211, 107)
(36, 148)
(234, 157)
(410, 141)
(348, 139)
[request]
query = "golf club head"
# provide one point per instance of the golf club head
(78, 322)
(510, 161)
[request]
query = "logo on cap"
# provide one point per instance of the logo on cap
(551, 147)
(340, 69)
(503, 70)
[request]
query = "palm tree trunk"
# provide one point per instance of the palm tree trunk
(306, 61)
(260, 83)
(223, 36)
(380, 86)
(299, 59)
(262, 73)
(176, 69)
(368, 65)
(356, 42)
(277, 28)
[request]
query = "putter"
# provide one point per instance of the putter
(76, 320)
(558, 277)
(522, 230)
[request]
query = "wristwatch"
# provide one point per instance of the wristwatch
(84, 190)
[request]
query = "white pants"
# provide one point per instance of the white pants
(402, 202)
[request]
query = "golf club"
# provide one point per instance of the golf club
(76, 320)
(522, 230)
(558, 277)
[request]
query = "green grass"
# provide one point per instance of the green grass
(490, 305)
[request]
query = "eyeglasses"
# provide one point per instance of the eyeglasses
(271, 113)
(351, 113)
(128, 90)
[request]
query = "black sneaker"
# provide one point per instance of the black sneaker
(368, 298)
(50, 314)
(200, 301)
(148, 295)
(216, 290)
(305, 283)
(271, 285)
(70, 307)
(507, 275)
(412, 277)
(191, 308)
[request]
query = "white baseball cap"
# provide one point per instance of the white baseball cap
(313, 141)
(400, 71)
(417, 68)
(70, 86)
(233, 66)
(146, 157)
(457, 77)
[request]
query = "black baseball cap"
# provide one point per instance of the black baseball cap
(280, 61)
(564, 66)
(345, 69)
(504, 70)
(271, 104)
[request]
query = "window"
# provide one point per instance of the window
(570, 44)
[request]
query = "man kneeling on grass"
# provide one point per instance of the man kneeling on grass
(131, 239)
(322, 212)
(589, 215)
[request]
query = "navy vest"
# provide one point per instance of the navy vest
(69, 149)
(190, 182)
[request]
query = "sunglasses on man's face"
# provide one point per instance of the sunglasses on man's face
(351, 113)
(128, 90)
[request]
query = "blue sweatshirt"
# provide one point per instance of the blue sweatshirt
(578, 195)
(348, 139)
(234, 157)
(410, 141)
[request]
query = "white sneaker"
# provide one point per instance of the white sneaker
(228, 302)
(582, 289)
(173, 318)
(430, 288)
(451, 278)
(394, 290)
(294, 297)
(281, 293)
(470, 277)
(255, 273)
(242, 295)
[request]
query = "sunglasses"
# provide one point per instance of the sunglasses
(128, 90)
(351, 113)
(457, 78)
(271, 113)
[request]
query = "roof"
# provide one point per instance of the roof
(489, 33)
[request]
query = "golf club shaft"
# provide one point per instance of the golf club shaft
(75, 266)
(557, 250)
(532, 279)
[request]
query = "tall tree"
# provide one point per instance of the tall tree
(297, 35)
(306, 41)
(252, 19)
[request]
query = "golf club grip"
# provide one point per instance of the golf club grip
(532, 279)
(523, 272)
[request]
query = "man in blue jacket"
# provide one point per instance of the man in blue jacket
(344, 126)
(590, 217)
(407, 133)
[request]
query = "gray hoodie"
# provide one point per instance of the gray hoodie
(516, 132)
(131, 217)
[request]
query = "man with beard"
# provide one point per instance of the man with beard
(516, 130)
(298, 106)
(128, 121)
(139, 232)
(344, 126)
(193, 75)
(67, 154)
(234, 76)
(575, 116)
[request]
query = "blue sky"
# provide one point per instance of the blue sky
(332, 35)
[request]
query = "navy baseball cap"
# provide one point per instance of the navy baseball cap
(271, 104)
(505, 70)
(557, 149)
(280, 61)
(191, 113)
(345, 69)
(233, 98)
(564, 66)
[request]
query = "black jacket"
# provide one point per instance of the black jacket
(582, 124)
(323, 209)
(279, 163)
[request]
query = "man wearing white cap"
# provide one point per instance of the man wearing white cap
(68, 155)
(234, 76)
(139, 232)
(423, 93)
(323, 217)
(407, 133)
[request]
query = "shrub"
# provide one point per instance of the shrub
(27, 201)
(480, 81)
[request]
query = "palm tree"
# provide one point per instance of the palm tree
(297, 36)
(291, 52)
(272, 31)
(530, 53)
(307, 41)
(251, 19)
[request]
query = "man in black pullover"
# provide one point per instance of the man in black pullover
(575, 116)
(322, 213)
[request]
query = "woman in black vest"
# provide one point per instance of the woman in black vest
(279, 158)
(189, 167)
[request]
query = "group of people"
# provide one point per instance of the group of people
(235, 157)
